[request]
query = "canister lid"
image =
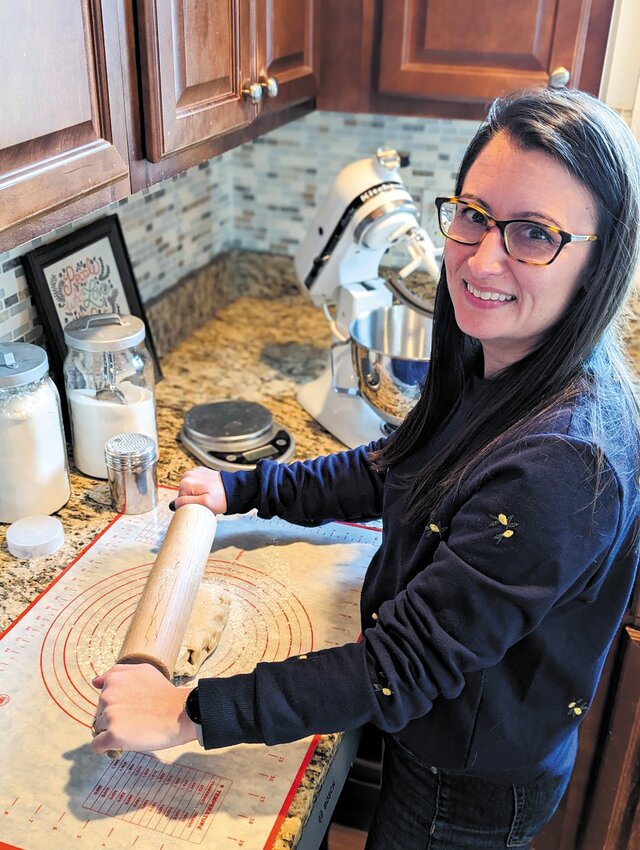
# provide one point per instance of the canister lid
(104, 332)
(130, 451)
(35, 536)
(21, 363)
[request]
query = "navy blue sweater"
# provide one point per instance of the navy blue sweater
(485, 630)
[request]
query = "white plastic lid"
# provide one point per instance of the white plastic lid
(35, 536)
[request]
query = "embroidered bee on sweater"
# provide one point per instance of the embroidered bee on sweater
(383, 685)
(577, 707)
(436, 528)
(506, 523)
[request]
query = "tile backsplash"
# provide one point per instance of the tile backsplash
(260, 197)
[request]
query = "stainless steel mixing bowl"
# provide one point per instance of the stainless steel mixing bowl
(390, 347)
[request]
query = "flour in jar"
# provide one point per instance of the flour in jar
(33, 456)
(94, 421)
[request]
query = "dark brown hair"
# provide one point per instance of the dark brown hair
(583, 350)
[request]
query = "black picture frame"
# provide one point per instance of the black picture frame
(84, 273)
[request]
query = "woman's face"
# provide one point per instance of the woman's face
(510, 183)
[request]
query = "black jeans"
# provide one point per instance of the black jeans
(425, 808)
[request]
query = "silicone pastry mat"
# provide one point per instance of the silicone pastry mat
(293, 589)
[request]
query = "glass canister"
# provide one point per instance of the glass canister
(110, 385)
(33, 455)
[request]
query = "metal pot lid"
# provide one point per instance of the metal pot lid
(21, 363)
(229, 425)
(104, 332)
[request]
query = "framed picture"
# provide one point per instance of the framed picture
(84, 273)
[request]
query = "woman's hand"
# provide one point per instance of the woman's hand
(202, 486)
(139, 710)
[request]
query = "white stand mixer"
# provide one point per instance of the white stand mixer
(367, 211)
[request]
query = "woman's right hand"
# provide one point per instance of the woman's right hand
(202, 486)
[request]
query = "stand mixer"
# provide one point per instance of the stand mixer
(367, 211)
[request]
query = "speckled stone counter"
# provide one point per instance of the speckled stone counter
(259, 347)
(254, 349)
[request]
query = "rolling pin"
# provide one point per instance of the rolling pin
(161, 617)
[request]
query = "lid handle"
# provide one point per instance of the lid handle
(103, 319)
(6, 358)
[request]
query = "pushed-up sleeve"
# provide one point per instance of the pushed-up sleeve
(340, 486)
(534, 532)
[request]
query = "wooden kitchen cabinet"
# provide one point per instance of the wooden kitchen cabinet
(101, 98)
(288, 51)
(195, 60)
(601, 808)
(564, 829)
(204, 63)
(450, 57)
(447, 50)
(613, 819)
(63, 147)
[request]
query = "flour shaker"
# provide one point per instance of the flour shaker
(132, 467)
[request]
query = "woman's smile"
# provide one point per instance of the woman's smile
(487, 297)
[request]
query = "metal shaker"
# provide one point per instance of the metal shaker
(131, 461)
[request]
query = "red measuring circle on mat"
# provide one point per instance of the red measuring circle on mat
(4, 699)
(267, 622)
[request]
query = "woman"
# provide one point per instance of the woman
(509, 499)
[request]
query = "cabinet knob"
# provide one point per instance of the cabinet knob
(253, 92)
(270, 87)
(559, 77)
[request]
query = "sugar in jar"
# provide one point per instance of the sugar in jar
(109, 379)
(33, 456)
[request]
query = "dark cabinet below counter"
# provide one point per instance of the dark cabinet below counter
(613, 820)
(450, 58)
(601, 808)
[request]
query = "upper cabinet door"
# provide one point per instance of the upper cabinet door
(472, 52)
(288, 47)
(196, 61)
(62, 132)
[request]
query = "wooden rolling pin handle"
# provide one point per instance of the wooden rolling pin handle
(160, 620)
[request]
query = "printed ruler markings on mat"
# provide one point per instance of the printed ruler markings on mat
(172, 799)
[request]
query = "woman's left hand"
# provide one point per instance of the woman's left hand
(139, 709)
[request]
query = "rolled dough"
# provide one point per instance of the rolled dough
(206, 624)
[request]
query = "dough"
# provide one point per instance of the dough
(206, 624)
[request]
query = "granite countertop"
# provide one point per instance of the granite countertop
(256, 348)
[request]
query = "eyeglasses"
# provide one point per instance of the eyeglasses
(524, 240)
